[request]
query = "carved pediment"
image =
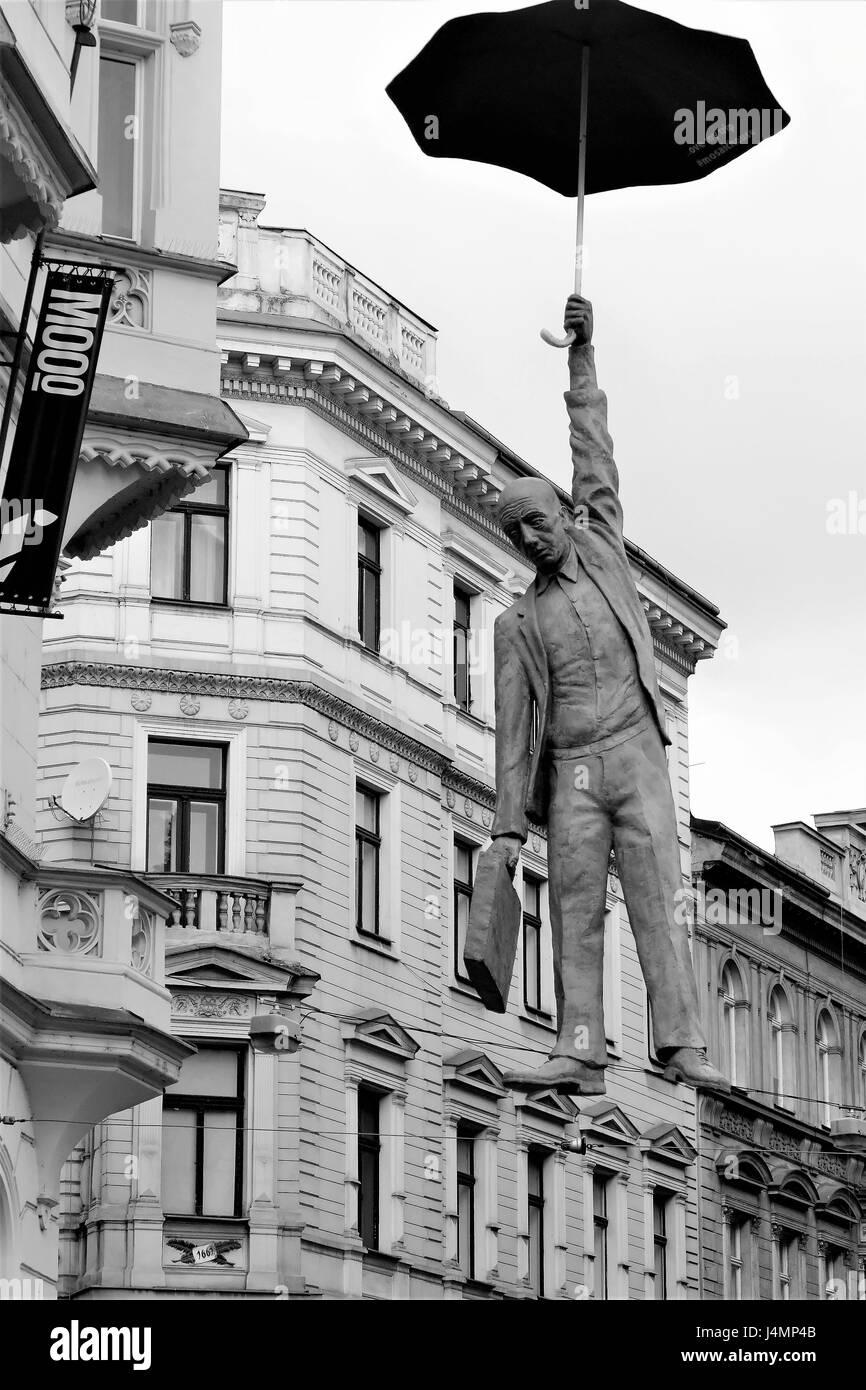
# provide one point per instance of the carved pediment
(383, 479)
(229, 965)
(608, 1123)
(374, 1029)
(667, 1142)
(475, 1072)
(548, 1104)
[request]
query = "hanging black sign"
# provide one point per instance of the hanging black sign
(44, 453)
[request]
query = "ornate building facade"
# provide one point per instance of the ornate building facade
(108, 174)
(780, 954)
(292, 674)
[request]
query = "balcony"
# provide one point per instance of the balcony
(84, 1014)
(256, 913)
(287, 271)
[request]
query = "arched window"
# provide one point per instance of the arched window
(783, 1048)
(734, 1026)
(829, 1067)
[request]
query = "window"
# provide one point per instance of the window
(832, 1272)
(600, 1236)
(532, 928)
(734, 1035)
(783, 1048)
(368, 847)
(862, 1070)
(189, 546)
(462, 646)
(117, 151)
(464, 874)
(660, 1244)
(829, 1067)
(535, 1222)
(466, 1200)
(120, 11)
(369, 584)
(736, 1230)
(202, 1145)
(369, 1145)
(785, 1256)
(186, 805)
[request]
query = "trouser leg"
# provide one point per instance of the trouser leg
(638, 791)
(578, 854)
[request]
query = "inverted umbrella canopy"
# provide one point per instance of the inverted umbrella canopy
(505, 89)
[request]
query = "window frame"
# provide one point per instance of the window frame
(536, 922)
(536, 1158)
(601, 1224)
(184, 1101)
(461, 889)
(734, 1032)
(661, 1243)
(467, 1180)
(372, 839)
(466, 630)
(113, 49)
(370, 1143)
(374, 567)
(184, 796)
(187, 508)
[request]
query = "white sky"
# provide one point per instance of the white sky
(757, 272)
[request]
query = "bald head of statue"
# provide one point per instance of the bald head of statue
(534, 520)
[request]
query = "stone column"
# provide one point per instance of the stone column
(522, 1147)
(395, 1182)
(755, 1224)
(449, 1193)
(145, 1208)
(648, 1238)
(489, 1154)
(681, 1264)
(263, 1212)
(620, 1206)
(353, 1268)
(588, 1226)
(558, 1243)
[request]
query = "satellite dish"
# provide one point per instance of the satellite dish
(86, 789)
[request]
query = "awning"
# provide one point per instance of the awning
(140, 456)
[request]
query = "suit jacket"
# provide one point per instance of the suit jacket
(521, 672)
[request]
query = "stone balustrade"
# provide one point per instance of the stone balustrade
(216, 903)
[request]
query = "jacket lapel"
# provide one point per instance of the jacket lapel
(527, 617)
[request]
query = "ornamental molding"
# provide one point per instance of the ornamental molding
(857, 872)
(130, 299)
(185, 36)
(365, 415)
(70, 923)
(21, 148)
(207, 1005)
(196, 684)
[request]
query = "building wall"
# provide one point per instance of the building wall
(279, 673)
(776, 1156)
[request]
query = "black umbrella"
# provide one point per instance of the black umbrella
(668, 103)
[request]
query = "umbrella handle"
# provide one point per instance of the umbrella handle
(552, 339)
(546, 334)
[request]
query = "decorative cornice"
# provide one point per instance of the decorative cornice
(20, 149)
(234, 687)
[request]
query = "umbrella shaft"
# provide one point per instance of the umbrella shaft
(581, 168)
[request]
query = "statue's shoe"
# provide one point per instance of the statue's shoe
(690, 1065)
(563, 1074)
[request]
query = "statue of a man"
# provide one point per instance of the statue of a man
(580, 744)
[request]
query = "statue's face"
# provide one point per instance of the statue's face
(538, 532)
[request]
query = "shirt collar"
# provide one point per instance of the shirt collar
(567, 570)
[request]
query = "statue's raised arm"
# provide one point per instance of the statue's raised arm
(594, 481)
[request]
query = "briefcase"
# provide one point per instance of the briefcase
(493, 932)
